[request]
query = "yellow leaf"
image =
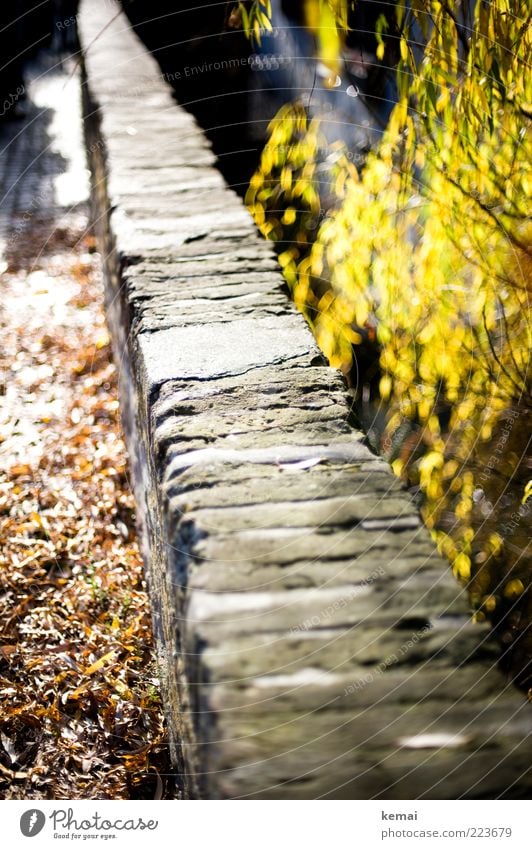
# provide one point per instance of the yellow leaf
(514, 588)
(99, 664)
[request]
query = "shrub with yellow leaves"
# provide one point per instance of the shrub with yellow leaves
(429, 246)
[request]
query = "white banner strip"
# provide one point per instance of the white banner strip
(263, 825)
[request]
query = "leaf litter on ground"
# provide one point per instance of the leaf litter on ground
(81, 713)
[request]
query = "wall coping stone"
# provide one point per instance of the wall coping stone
(313, 644)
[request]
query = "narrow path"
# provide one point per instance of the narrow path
(80, 715)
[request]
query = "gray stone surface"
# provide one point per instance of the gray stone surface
(313, 642)
(241, 345)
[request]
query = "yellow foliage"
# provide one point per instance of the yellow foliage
(514, 588)
(429, 246)
(256, 18)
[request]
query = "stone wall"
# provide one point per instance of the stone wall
(312, 642)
